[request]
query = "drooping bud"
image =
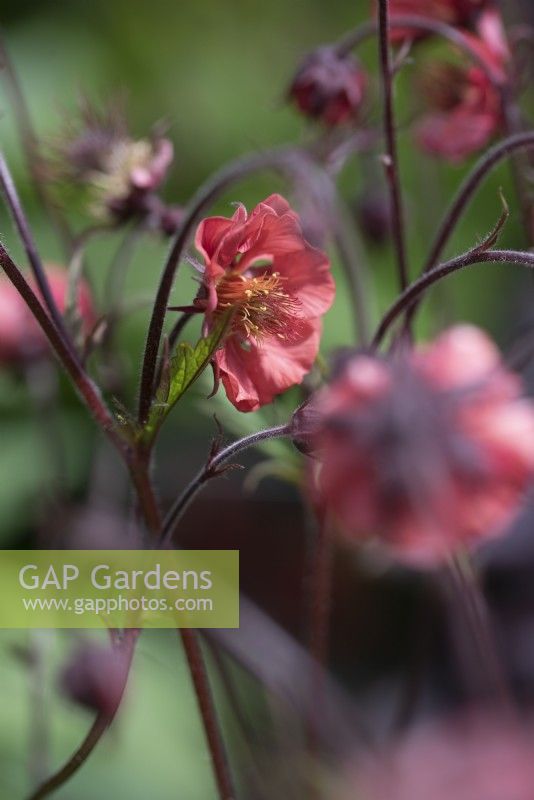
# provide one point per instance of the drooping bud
(95, 677)
(373, 211)
(329, 87)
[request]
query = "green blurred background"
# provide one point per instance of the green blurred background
(217, 71)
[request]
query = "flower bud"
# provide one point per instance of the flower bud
(373, 211)
(329, 87)
(95, 678)
(304, 426)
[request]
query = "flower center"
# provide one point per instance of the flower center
(262, 306)
(444, 86)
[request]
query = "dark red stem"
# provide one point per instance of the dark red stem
(81, 380)
(403, 21)
(407, 298)
(97, 730)
(206, 705)
(390, 156)
(211, 470)
(21, 223)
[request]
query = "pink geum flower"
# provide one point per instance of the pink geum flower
(260, 267)
(474, 755)
(429, 452)
(465, 102)
(329, 87)
(21, 339)
(460, 13)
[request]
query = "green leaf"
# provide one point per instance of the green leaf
(180, 372)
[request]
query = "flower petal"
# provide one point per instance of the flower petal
(253, 377)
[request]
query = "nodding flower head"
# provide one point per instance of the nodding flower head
(95, 678)
(329, 87)
(429, 452)
(465, 100)
(120, 173)
(459, 13)
(260, 271)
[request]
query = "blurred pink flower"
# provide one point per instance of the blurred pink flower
(259, 266)
(465, 104)
(473, 756)
(461, 13)
(329, 87)
(430, 451)
(21, 339)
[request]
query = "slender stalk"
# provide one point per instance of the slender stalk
(21, 223)
(320, 614)
(473, 257)
(97, 730)
(206, 705)
(469, 187)
(465, 194)
(356, 279)
(211, 470)
(455, 36)
(195, 659)
(391, 158)
(513, 121)
(476, 612)
(80, 379)
(39, 723)
(30, 145)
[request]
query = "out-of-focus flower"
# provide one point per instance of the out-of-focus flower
(460, 13)
(259, 267)
(429, 452)
(465, 104)
(95, 677)
(329, 87)
(472, 756)
(21, 339)
(466, 112)
(120, 173)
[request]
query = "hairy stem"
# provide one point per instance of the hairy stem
(30, 145)
(474, 606)
(206, 705)
(390, 157)
(21, 223)
(521, 167)
(467, 190)
(80, 379)
(466, 193)
(211, 470)
(473, 257)
(320, 614)
(97, 730)
(426, 25)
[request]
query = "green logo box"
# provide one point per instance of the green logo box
(119, 589)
